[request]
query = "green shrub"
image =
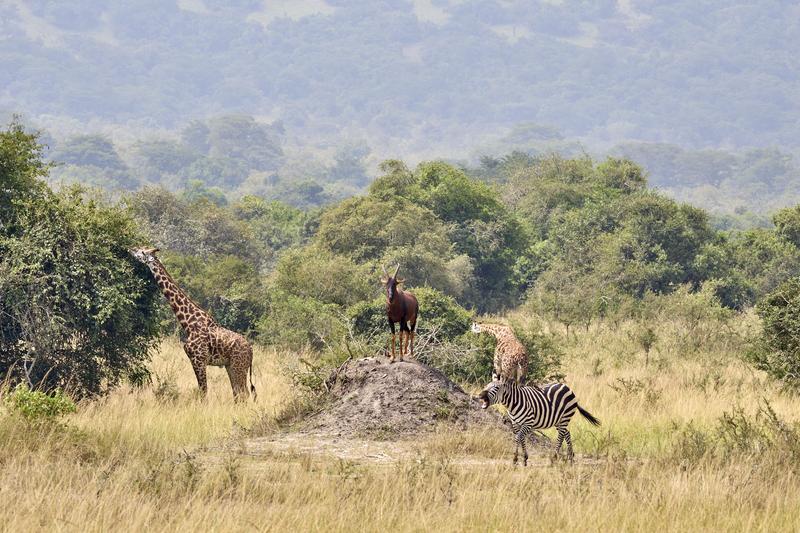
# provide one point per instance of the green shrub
(544, 356)
(738, 437)
(36, 406)
(296, 322)
(776, 352)
(77, 311)
(467, 359)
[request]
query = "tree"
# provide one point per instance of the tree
(378, 232)
(478, 225)
(77, 311)
(155, 158)
(241, 138)
(787, 224)
(778, 352)
(85, 150)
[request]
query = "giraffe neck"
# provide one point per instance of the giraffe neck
(188, 313)
(495, 329)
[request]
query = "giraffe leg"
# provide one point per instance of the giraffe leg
(238, 378)
(199, 359)
(202, 380)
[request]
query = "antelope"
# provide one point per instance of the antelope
(401, 307)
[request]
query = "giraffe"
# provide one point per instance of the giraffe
(510, 355)
(207, 343)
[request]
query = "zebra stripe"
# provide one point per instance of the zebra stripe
(531, 408)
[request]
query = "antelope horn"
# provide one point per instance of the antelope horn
(396, 270)
(384, 271)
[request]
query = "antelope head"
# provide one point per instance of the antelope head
(390, 283)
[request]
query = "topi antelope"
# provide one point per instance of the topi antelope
(401, 307)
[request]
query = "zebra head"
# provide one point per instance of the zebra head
(490, 394)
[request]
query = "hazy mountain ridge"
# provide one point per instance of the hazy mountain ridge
(416, 75)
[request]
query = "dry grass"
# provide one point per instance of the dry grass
(139, 459)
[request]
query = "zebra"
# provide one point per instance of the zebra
(531, 407)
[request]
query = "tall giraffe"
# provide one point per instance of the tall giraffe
(207, 343)
(510, 355)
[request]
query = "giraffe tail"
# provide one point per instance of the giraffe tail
(252, 387)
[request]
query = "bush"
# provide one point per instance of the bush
(776, 352)
(316, 273)
(77, 311)
(742, 438)
(224, 285)
(296, 322)
(544, 356)
(466, 359)
(36, 406)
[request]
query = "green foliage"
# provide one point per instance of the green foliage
(778, 351)
(544, 355)
(465, 359)
(763, 259)
(78, 312)
(296, 322)
(787, 224)
(37, 406)
(478, 225)
(89, 150)
(376, 232)
(737, 436)
(318, 274)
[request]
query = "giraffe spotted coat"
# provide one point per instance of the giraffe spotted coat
(510, 356)
(207, 343)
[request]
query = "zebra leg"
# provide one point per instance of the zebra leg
(562, 432)
(524, 451)
(570, 453)
(519, 440)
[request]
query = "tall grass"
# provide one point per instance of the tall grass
(687, 443)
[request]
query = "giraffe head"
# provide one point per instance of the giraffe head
(145, 255)
(476, 328)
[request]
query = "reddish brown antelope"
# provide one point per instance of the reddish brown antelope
(401, 307)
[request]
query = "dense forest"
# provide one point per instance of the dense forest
(700, 94)
(573, 240)
(419, 72)
(231, 156)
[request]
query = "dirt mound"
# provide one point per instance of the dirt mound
(375, 399)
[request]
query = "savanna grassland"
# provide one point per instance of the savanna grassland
(692, 439)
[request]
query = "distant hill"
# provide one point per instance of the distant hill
(414, 77)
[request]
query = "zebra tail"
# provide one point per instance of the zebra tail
(588, 416)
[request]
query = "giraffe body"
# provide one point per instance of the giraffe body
(510, 356)
(207, 343)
